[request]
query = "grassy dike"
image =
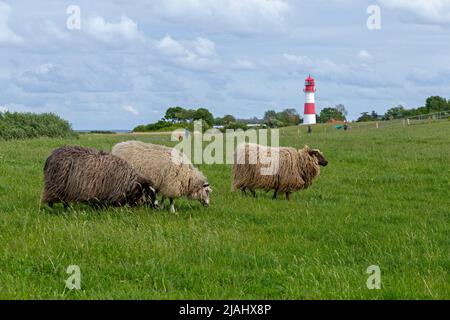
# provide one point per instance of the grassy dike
(383, 200)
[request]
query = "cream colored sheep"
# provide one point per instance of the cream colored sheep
(171, 172)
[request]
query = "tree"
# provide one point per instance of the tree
(174, 114)
(395, 113)
(341, 109)
(375, 115)
(218, 121)
(436, 104)
(289, 117)
(270, 119)
(204, 114)
(269, 115)
(188, 115)
(330, 113)
(365, 116)
(228, 119)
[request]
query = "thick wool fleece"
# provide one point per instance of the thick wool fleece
(297, 169)
(76, 174)
(172, 179)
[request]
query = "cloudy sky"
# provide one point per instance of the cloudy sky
(130, 60)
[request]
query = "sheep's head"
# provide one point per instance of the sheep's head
(315, 153)
(142, 190)
(201, 193)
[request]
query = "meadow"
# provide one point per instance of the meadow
(383, 200)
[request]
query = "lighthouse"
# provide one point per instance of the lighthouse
(310, 103)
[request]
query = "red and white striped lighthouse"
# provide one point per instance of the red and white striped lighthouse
(310, 103)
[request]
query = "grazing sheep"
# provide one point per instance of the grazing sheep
(296, 169)
(173, 174)
(76, 174)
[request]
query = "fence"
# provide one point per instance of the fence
(423, 118)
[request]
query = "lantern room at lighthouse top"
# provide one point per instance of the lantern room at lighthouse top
(310, 85)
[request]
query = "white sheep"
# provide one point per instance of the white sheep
(171, 172)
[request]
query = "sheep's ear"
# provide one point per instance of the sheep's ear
(305, 148)
(207, 187)
(151, 191)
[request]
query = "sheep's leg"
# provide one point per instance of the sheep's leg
(244, 191)
(288, 196)
(50, 204)
(275, 195)
(172, 206)
(66, 205)
(162, 204)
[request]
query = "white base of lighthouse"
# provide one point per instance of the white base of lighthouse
(309, 119)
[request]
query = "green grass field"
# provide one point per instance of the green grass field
(383, 200)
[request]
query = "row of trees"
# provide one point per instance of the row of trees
(433, 104)
(179, 117)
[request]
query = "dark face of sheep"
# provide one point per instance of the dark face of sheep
(319, 156)
(141, 192)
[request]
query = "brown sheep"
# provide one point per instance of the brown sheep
(83, 175)
(296, 169)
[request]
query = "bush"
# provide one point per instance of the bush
(236, 126)
(15, 125)
(161, 125)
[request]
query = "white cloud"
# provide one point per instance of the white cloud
(6, 34)
(198, 54)
(240, 16)
(365, 56)
(205, 47)
(3, 109)
(130, 109)
(171, 47)
(98, 27)
(430, 11)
